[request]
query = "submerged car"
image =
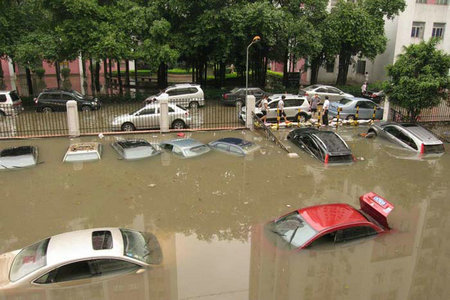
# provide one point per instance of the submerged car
(326, 146)
(332, 223)
(348, 109)
(148, 117)
(134, 149)
(185, 147)
(410, 136)
(85, 254)
(235, 146)
(18, 157)
(87, 151)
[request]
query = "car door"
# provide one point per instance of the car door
(353, 233)
(67, 97)
(310, 146)
(365, 109)
(272, 112)
(146, 118)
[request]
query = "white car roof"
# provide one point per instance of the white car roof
(77, 245)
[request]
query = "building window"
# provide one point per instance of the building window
(361, 67)
(438, 30)
(421, 1)
(417, 30)
(444, 2)
(330, 67)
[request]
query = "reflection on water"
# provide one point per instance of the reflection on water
(208, 213)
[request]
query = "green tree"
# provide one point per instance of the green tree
(419, 78)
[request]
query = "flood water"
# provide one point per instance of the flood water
(208, 213)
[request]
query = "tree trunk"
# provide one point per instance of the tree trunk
(58, 74)
(135, 73)
(119, 76)
(105, 70)
(315, 66)
(162, 76)
(223, 71)
(91, 69)
(285, 68)
(1, 70)
(344, 62)
(110, 69)
(29, 81)
(266, 63)
(127, 73)
(97, 76)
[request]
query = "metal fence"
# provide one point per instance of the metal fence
(30, 123)
(439, 113)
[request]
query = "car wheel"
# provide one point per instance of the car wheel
(178, 124)
(351, 118)
(85, 108)
(302, 118)
(193, 105)
(239, 103)
(47, 109)
(128, 127)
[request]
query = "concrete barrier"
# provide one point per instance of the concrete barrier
(164, 115)
(250, 104)
(73, 122)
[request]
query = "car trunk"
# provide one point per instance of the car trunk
(376, 207)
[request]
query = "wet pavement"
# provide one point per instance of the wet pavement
(208, 214)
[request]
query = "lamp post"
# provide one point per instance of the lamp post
(255, 40)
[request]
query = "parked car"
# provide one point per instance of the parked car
(148, 117)
(134, 149)
(235, 146)
(410, 136)
(18, 157)
(183, 94)
(185, 147)
(326, 146)
(376, 97)
(10, 103)
(334, 94)
(51, 100)
(237, 95)
(76, 257)
(87, 151)
(348, 109)
(331, 223)
(292, 104)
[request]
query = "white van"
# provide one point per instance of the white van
(10, 103)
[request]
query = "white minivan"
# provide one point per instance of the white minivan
(10, 103)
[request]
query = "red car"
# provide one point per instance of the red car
(333, 222)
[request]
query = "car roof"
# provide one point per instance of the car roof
(327, 216)
(17, 151)
(418, 131)
(331, 140)
(77, 245)
(183, 85)
(184, 143)
(234, 141)
(133, 143)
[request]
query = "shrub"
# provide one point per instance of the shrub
(65, 72)
(40, 72)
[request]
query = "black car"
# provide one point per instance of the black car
(237, 96)
(55, 100)
(326, 146)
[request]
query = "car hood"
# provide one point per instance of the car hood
(5, 265)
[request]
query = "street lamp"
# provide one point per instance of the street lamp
(256, 39)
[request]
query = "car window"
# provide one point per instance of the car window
(293, 102)
(354, 233)
(173, 92)
(148, 111)
(141, 246)
(29, 259)
(321, 90)
(401, 136)
(365, 104)
(50, 96)
(73, 271)
(273, 104)
(332, 90)
(67, 97)
(236, 150)
(294, 230)
(222, 146)
(312, 146)
(2, 98)
(345, 101)
(192, 90)
(171, 110)
(14, 96)
(111, 266)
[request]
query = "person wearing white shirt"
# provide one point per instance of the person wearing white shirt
(325, 107)
(281, 108)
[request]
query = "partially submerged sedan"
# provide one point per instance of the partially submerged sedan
(332, 223)
(326, 146)
(87, 151)
(134, 149)
(18, 157)
(235, 146)
(410, 136)
(185, 147)
(74, 256)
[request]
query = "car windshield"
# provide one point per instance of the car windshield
(197, 150)
(345, 101)
(141, 246)
(78, 94)
(311, 87)
(294, 230)
(29, 260)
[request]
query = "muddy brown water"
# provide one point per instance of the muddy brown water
(208, 212)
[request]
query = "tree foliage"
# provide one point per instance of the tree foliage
(419, 77)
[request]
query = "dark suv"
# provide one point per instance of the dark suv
(237, 96)
(55, 100)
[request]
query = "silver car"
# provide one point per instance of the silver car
(334, 94)
(185, 147)
(410, 136)
(78, 256)
(10, 103)
(296, 107)
(18, 157)
(184, 94)
(134, 149)
(348, 109)
(147, 117)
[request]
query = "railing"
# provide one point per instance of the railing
(30, 123)
(439, 113)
